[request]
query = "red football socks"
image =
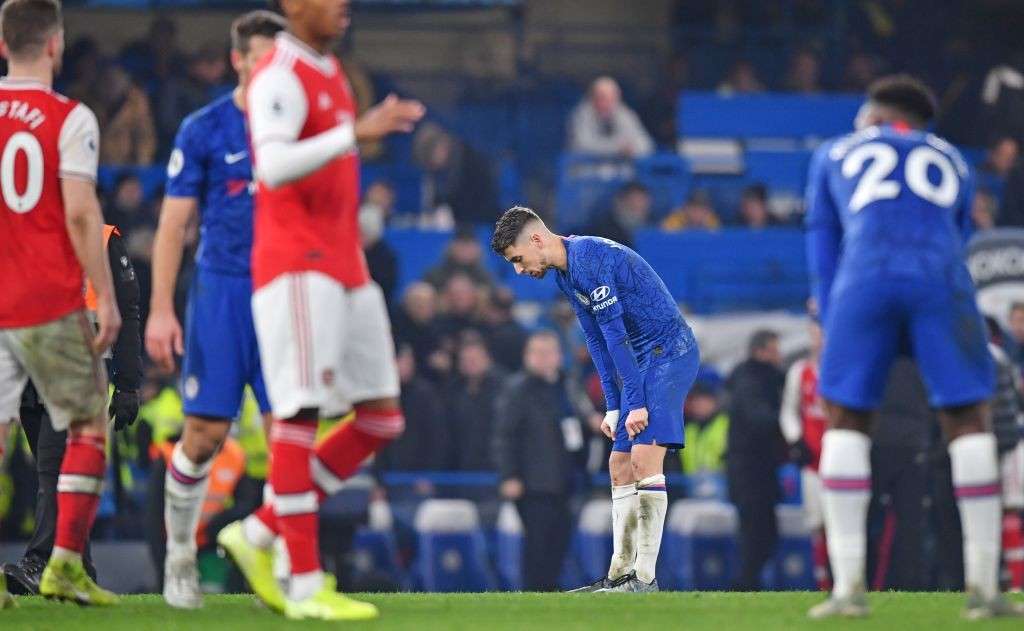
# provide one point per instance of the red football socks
(78, 490)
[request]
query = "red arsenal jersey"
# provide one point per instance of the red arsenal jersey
(310, 224)
(44, 137)
(812, 411)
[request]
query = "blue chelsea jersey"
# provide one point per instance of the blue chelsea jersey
(608, 280)
(888, 202)
(211, 163)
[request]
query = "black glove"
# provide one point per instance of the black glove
(124, 408)
(800, 454)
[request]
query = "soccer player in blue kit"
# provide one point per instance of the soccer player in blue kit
(209, 172)
(888, 216)
(636, 333)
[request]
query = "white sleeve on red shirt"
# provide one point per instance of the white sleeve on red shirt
(790, 421)
(277, 107)
(79, 145)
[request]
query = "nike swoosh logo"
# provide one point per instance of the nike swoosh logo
(231, 158)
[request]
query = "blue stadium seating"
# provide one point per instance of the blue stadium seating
(592, 542)
(699, 550)
(509, 548)
(587, 185)
(451, 551)
(792, 566)
(750, 116)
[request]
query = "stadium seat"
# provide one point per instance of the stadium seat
(755, 116)
(699, 550)
(375, 545)
(451, 552)
(792, 566)
(509, 548)
(593, 540)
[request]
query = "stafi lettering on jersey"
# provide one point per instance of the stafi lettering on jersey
(19, 110)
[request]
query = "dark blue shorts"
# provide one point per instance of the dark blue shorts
(936, 323)
(665, 389)
(221, 355)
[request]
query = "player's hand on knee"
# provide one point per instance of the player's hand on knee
(164, 339)
(636, 422)
(610, 423)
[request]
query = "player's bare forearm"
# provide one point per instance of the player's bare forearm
(84, 222)
(167, 250)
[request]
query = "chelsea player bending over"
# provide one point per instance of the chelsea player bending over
(634, 332)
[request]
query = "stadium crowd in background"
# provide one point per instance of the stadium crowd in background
(462, 355)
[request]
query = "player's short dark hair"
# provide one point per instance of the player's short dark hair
(259, 23)
(907, 95)
(25, 25)
(510, 226)
(761, 339)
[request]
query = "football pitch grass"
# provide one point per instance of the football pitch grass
(493, 612)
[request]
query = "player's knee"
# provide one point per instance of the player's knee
(964, 419)
(203, 438)
(382, 419)
(620, 469)
(841, 417)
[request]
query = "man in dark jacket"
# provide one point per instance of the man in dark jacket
(48, 445)
(755, 399)
(472, 406)
(538, 447)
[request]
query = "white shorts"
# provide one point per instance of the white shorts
(323, 346)
(58, 357)
(810, 485)
(1011, 467)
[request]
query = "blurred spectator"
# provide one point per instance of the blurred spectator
(456, 177)
(630, 210)
(601, 125)
(462, 256)
(471, 408)
(755, 399)
(381, 259)
(707, 429)
(742, 79)
(125, 120)
(1003, 98)
(860, 71)
(81, 66)
(505, 337)
(803, 421)
(984, 210)
(461, 308)
(126, 208)
(754, 208)
(659, 113)
(696, 213)
(1001, 156)
(178, 96)
(804, 74)
(1006, 425)
(156, 57)
(1016, 326)
(538, 445)
(425, 443)
(1011, 211)
(415, 324)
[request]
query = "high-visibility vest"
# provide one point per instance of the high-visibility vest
(228, 468)
(90, 293)
(705, 446)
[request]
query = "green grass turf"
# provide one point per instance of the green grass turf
(492, 612)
